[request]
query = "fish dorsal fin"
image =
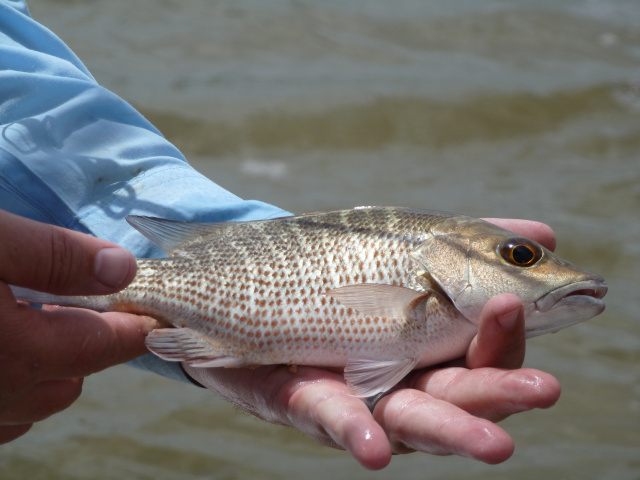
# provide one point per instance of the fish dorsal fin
(170, 235)
(369, 377)
(380, 300)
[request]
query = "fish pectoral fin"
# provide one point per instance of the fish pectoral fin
(369, 377)
(188, 345)
(380, 300)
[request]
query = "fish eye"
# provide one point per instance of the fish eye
(520, 252)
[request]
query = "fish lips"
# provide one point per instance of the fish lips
(567, 305)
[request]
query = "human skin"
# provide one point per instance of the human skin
(447, 410)
(452, 409)
(45, 354)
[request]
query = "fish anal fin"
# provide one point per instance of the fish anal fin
(369, 377)
(188, 345)
(380, 300)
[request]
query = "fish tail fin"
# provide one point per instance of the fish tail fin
(97, 302)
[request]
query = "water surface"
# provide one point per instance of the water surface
(520, 109)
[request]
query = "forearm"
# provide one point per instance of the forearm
(70, 142)
(74, 154)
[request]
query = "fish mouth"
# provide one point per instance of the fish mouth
(567, 305)
(589, 291)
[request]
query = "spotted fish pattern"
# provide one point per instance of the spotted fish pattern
(320, 289)
(376, 290)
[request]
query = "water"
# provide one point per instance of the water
(521, 109)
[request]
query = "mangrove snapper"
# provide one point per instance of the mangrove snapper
(377, 290)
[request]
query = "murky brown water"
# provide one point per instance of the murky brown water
(523, 109)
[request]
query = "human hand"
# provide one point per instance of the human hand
(44, 354)
(442, 411)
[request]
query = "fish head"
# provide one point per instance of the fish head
(472, 260)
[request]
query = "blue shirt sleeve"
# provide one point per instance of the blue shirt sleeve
(75, 155)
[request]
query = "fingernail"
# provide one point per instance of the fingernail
(112, 266)
(508, 320)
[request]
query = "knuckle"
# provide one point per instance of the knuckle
(11, 432)
(15, 380)
(72, 391)
(64, 256)
(53, 398)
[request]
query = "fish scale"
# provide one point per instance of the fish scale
(377, 290)
(266, 282)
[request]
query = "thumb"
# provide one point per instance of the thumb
(55, 260)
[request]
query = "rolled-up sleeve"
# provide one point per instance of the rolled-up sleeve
(74, 154)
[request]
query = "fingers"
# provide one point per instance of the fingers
(44, 400)
(501, 340)
(494, 393)
(66, 342)
(345, 419)
(415, 421)
(52, 259)
(491, 393)
(537, 231)
(45, 353)
(317, 403)
(11, 432)
(452, 410)
(41, 402)
(97, 340)
(314, 401)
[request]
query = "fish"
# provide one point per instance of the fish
(377, 291)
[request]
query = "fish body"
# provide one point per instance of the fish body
(377, 290)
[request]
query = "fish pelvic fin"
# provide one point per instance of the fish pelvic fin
(369, 377)
(188, 345)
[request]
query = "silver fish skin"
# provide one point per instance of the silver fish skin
(377, 290)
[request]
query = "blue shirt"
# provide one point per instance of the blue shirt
(76, 155)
